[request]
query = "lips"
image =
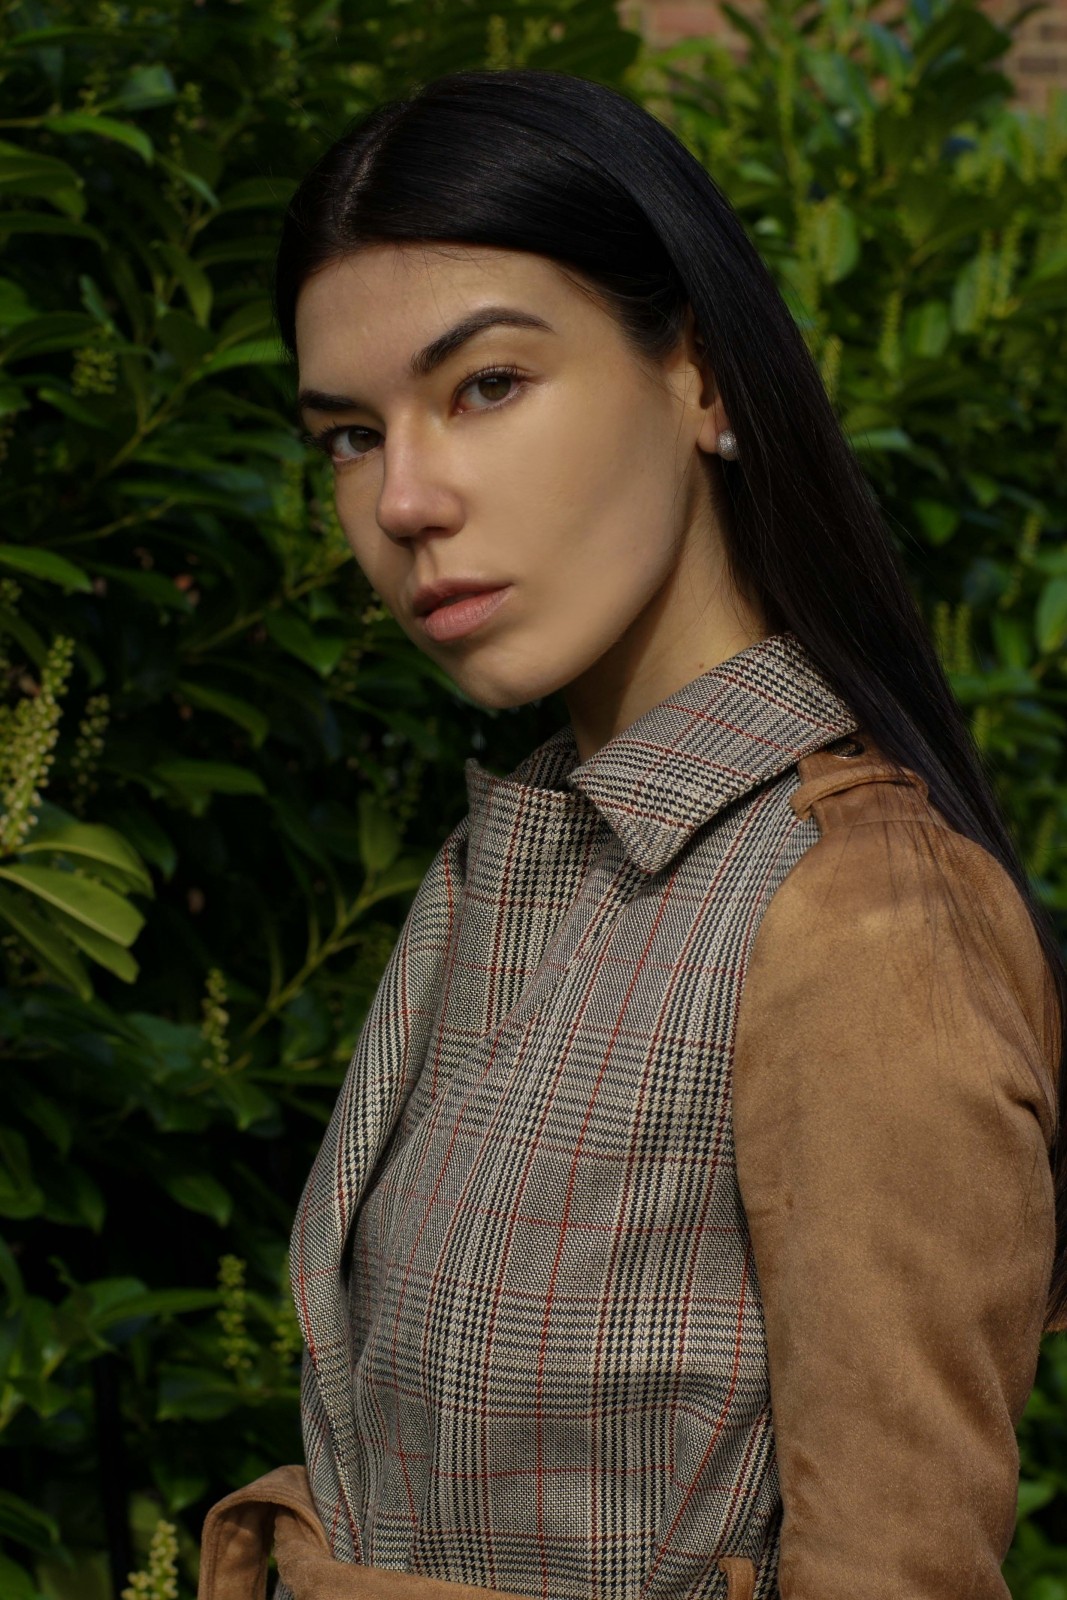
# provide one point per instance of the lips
(447, 591)
(456, 616)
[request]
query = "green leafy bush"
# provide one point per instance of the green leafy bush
(224, 769)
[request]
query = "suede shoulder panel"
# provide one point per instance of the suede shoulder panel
(893, 1107)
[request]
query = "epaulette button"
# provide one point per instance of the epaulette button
(846, 747)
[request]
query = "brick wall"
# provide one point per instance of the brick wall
(1036, 62)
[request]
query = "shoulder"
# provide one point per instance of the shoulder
(892, 1111)
(900, 927)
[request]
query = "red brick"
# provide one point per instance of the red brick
(685, 19)
(1035, 61)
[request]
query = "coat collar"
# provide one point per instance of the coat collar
(742, 723)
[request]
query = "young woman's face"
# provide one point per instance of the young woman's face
(572, 485)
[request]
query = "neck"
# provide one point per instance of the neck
(680, 635)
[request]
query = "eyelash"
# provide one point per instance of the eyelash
(323, 441)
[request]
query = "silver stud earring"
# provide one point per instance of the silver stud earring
(727, 444)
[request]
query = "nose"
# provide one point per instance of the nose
(415, 498)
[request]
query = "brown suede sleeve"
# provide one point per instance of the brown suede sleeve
(893, 1108)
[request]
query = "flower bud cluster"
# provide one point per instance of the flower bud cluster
(29, 739)
(216, 1020)
(88, 748)
(159, 1580)
(237, 1347)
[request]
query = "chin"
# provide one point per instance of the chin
(504, 692)
(498, 697)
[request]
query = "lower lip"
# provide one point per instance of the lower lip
(463, 616)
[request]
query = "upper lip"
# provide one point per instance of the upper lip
(433, 594)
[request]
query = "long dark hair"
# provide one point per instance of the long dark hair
(570, 169)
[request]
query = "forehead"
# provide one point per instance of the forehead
(379, 303)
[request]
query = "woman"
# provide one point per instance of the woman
(685, 1225)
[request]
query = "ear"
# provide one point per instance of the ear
(715, 419)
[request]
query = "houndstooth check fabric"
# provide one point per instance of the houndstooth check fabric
(535, 1352)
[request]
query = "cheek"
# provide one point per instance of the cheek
(608, 508)
(373, 552)
(605, 465)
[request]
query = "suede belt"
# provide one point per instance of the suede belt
(278, 1510)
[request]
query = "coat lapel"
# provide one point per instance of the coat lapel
(719, 737)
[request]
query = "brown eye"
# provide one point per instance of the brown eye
(500, 379)
(341, 443)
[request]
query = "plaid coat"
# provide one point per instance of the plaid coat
(538, 1355)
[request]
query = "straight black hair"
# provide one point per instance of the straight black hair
(569, 169)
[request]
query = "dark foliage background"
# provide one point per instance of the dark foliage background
(224, 769)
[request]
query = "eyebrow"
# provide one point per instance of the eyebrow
(431, 356)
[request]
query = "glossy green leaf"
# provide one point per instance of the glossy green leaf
(15, 1581)
(43, 938)
(199, 1191)
(72, 1197)
(1050, 621)
(252, 247)
(306, 1027)
(135, 1302)
(71, 202)
(1013, 641)
(254, 353)
(145, 86)
(105, 952)
(145, 836)
(873, 439)
(195, 1394)
(836, 239)
(45, 37)
(270, 193)
(402, 877)
(939, 521)
(59, 330)
(254, 319)
(177, 1049)
(193, 279)
(184, 339)
(986, 490)
(26, 1524)
(1033, 1495)
(249, 1103)
(11, 1277)
(99, 909)
(927, 330)
(43, 222)
(57, 830)
(17, 163)
(246, 716)
(53, 1120)
(153, 587)
(967, 297)
(102, 128)
(44, 564)
(77, 410)
(191, 180)
(209, 777)
(15, 305)
(319, 651)
(27, 638)
(20, 1195)
(379, 838)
